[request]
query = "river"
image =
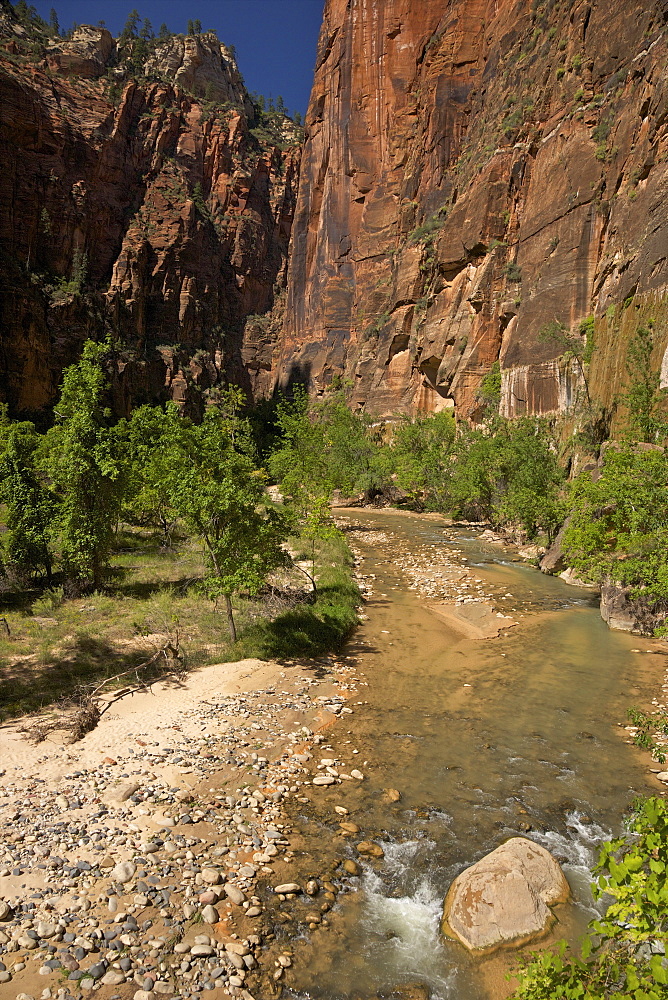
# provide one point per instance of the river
(485, 739)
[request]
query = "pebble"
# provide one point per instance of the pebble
(288, 887)
(234, 893)
(210, 915)
(211, 876)
(123, 872)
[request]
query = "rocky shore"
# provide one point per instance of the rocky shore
(154, 857)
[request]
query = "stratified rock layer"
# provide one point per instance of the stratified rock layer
(477, 172)
(141, 211)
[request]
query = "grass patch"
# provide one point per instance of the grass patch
(57, 645)
(316, 628)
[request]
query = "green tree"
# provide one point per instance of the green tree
(618, 524)
(54, 25)
(148, 440)
(82, 458)
(197, 26)
(643, 396)
(146, 33)
(191, 27)
(422, 455)
(489, 393)
(507, 473)
(30, 507)
(164, 33)
(130, 29)
(220, 494)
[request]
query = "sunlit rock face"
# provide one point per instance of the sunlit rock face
(174, 214)
(475, 172)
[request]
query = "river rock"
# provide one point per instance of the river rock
(123, 872)
(288, 887)
(5, 910)
(370, 849)
(234, 893)
(505, 897)
(210, 914)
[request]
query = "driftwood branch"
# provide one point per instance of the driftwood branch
(82, 717)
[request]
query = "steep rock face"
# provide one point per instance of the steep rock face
(478, 174)
(86, 54)
(200, 64)
(157, 217)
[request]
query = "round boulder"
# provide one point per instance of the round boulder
(505, 897)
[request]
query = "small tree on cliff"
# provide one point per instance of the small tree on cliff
(130, 29)
(643, 395)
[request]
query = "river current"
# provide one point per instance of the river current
(485, 739)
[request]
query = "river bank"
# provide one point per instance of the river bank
(311, 775)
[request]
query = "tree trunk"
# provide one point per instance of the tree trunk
(230, 618)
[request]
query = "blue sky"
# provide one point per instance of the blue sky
(275, 39)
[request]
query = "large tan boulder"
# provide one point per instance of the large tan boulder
(505, 897)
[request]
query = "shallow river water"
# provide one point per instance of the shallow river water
(485, 739)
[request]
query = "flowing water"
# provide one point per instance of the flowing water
(485, 739)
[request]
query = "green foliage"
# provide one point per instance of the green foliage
(507, 472)
(643, 396)
(82, 458)
(200, 202)
(623, 953)
(30, 507)
(648, 727)
(62, 288)
(204, 475)
(615, 959)
(618, 526)
(422, 456)
(513, 272)
(327, 446)
(320, 626)
(489, 393)
(426, 232)
(600, 134)
(130, 29)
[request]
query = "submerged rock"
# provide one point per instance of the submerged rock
(505, 897)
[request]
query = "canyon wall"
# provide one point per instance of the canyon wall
(157, 212)
(478, 177)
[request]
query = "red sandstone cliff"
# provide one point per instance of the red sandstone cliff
(475, 170)
(142, 210)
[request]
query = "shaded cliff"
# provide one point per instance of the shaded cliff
(143, 196)
(478, 173)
